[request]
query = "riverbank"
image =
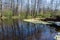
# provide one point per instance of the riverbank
(55, 18)
(13, 17)
(36, 21)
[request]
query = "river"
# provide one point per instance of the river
(20, 30)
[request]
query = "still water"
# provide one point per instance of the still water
(20, 30)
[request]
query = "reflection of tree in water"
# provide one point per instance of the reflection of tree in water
(2, 30)
(16, 30)
(19, 30)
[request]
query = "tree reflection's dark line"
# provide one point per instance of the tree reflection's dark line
(15, 31)
(2, 33)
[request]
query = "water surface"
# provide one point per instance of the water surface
(20, 30)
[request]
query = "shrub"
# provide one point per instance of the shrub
(7, 13)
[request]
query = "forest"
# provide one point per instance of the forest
(29, 8)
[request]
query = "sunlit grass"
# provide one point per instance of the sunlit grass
(13, 17)
(3, 17)
(36, 21)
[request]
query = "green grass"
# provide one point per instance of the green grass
(7, 14)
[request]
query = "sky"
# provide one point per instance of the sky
(45, 2)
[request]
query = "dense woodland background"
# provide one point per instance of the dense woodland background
(29, 8)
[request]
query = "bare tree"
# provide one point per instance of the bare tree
(27, 12)
(21, 6)
(39, 3)
(13, 7)
(34, 9)
(17, 7)
(50, 7)
(0, 8)
(56, 5)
